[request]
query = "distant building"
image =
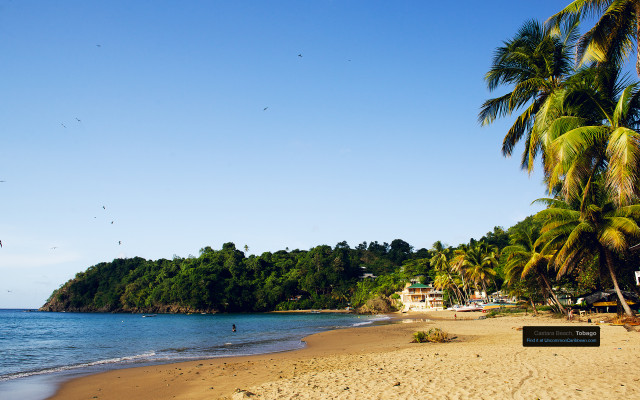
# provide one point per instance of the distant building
(418, 296)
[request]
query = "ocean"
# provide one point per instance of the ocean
(39, 350)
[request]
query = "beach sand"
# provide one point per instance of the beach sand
(485, 361)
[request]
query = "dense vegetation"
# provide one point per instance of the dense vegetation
(228, 280)
(581, 121)
(578, 121)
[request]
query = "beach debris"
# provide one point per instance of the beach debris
(396, 384)
(242, 394)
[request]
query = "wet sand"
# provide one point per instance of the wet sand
(486, 360)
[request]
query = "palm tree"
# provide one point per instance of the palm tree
(446, 279)
(597, 229)
(477, 263)
(589, 130)
(523, 260)
(612, 38)
(445, 282)
(535, 63)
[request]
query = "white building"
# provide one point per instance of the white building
(418, 296)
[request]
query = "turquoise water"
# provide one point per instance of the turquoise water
(39, 350)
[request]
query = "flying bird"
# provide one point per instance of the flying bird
(63, 125)
(0, 243)
(299, 55)
(119, 242)
(111, 222)
(54, 247)
(104, 208)
(265, 109)
(78, 119)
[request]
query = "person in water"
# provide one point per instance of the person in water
(233, 328)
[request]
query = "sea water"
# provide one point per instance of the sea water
(38, 350)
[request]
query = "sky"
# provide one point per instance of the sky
(156, 128)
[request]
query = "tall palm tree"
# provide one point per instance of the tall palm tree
(478, 263)
(598, 229)
(446, 277)
(446, 282)
(534, 63)
(523, 259)
(590, 129)
(612, 38)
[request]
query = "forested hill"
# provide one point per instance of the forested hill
(227, 281)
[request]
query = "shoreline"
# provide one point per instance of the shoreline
(486, 360)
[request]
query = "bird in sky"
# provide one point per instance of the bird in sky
(2, 181)
(265, 109)
(299, 55)
(98, 45)
(104, 208)
(111, 222)
(63, 125)
(119, 242)
(0, 243)
(78, 119)
(54, 247)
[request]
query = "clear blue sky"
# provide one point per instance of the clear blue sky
(197, 123)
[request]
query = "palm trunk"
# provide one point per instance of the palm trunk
(627, 309)
(534, 306)
(638, 38)
(455, 287)
(553, 294)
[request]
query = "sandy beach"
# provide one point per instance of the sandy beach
(485, 361)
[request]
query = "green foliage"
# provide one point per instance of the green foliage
(227, 281)
(433, 335)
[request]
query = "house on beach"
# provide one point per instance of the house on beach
(418, 296)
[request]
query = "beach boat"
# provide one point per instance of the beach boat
(148, 315)
(471, 307)
(611, 303)
(497, 305)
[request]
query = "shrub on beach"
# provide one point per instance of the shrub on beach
(434, 335)
(377, 305)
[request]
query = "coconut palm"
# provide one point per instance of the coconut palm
(477, 263)
(446, 282)
(599, 229)
(590, 129)
(524, 260)
(446, 278)
(612, 38)
(534, 63)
